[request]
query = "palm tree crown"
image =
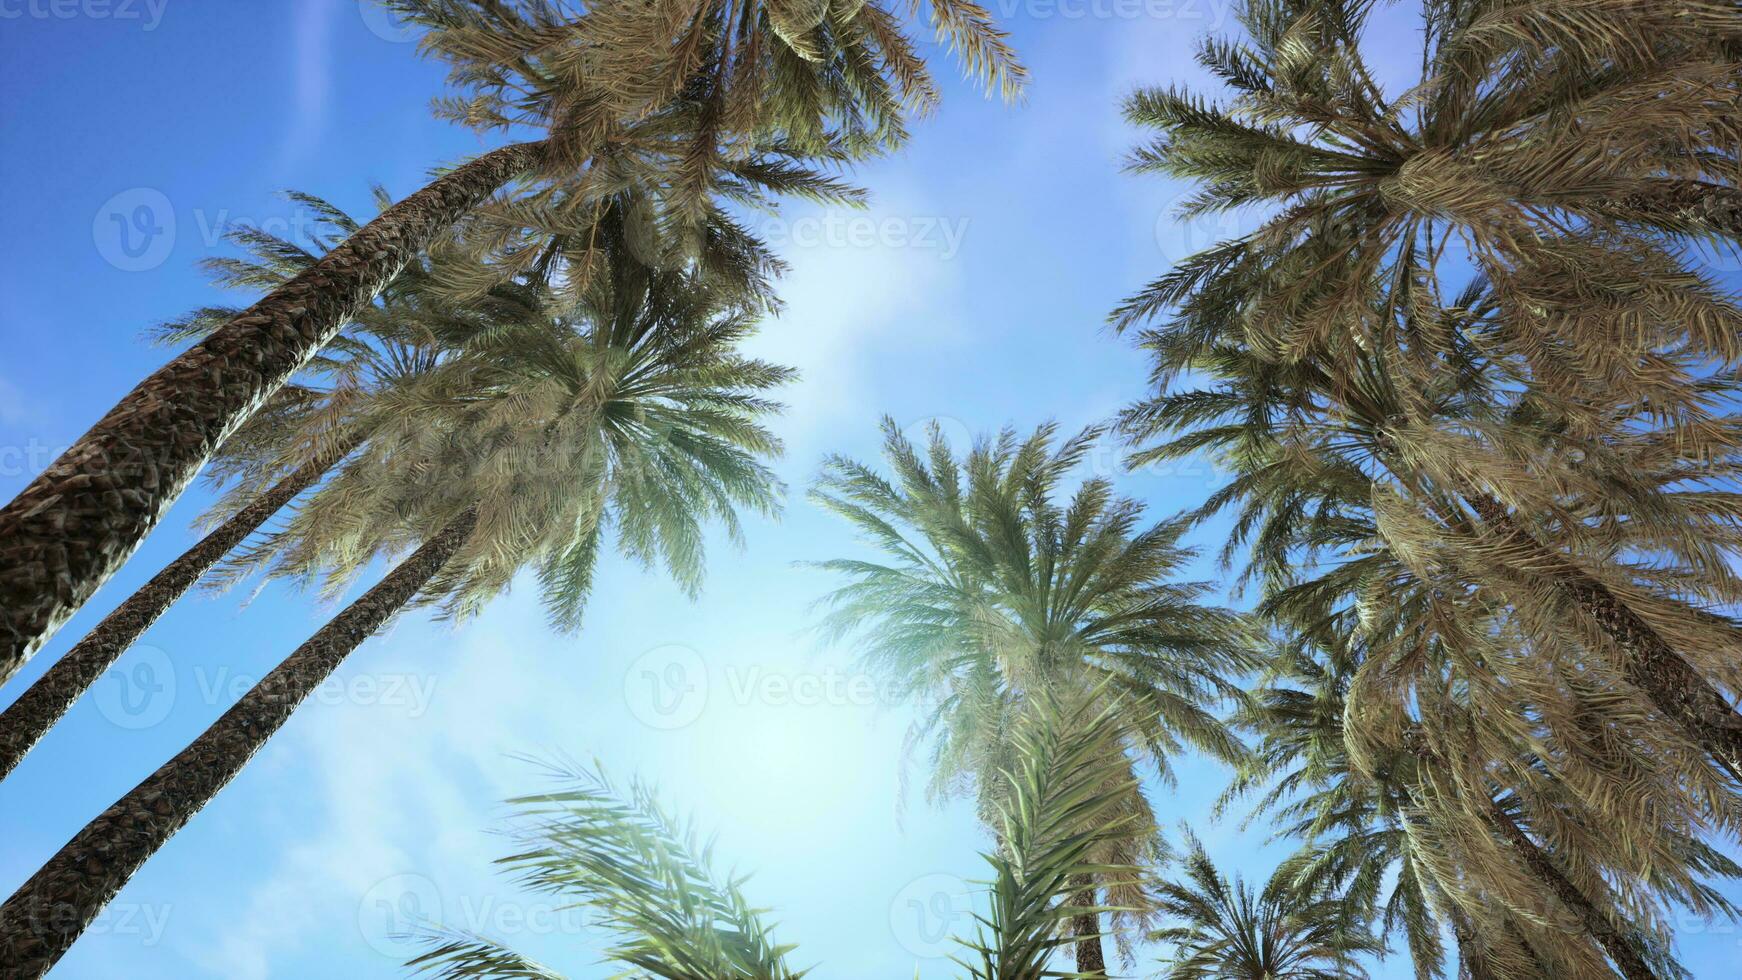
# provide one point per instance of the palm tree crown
(1228, 931)
(993, 591)
(1563, 151)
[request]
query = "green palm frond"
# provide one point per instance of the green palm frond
(1064, 805)
(1228, 931)
(996, 587)
(647, 878)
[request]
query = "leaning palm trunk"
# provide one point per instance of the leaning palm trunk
(1710, 205)
(1622, 951)
(1472, 961)
(1651, 664)
(38, 709)
(82, 517)
(1091, 960)
(43, 918)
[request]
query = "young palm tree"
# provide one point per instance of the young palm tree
(699, 96)
(994, 592)
(636, 412)
(651, 885)
(1227, 931)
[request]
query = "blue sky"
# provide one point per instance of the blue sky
(972, 293)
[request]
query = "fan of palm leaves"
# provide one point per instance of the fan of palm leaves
(1228, 931)
(1424, 834)
(994, 590)
(700, 104)
(634, 417)
(1568, 151)
(652, 884)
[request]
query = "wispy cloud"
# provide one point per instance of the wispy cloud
(861, 283)
(311, 85)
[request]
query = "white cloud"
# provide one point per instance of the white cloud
(396, 791)
(861, 282)
(312, 37)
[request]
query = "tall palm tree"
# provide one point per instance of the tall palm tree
(1354, 496)
(1228, 931)
(303, 431)
(1517, 872)
(636, 413)
(1564, 152)
(1336, 492)
(1539, 152)
(995, 591)
(312, 424)
(700, 95)
(650, 883)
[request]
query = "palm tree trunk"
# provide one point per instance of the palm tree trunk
(1472, 960)
(38, 709)
(82, 517)
(1652, 665)
(41, 920)
(1712, 205)
(1622, 952)
(1091, 961)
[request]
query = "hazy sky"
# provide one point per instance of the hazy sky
(972, 292)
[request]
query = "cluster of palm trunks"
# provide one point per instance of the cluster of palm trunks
(1474, 378)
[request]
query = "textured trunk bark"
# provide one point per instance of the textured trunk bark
(1472, 961)
(1715, 206)
(1652, 665)
(38, 709)
(41, 920)
(1622, 952)
(1091, 961)
(83, 516)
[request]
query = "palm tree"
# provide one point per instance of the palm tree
(650, 882)
(1566, 154)
(1587, 296)
(1530, 882)
(1340, 494)
(994, 592)
(1227, 931)
(305, 429)
(319, 419)
(699, 96)
(1390, 481)
(635, 412)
